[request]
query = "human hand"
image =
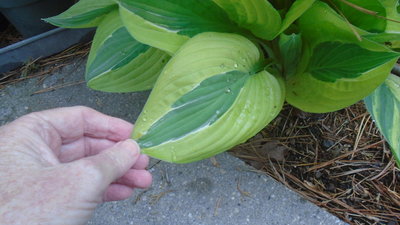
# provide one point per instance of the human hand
(57, 165)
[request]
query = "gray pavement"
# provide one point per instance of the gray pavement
(197, 193)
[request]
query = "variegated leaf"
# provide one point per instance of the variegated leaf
(212, 95)
(296, 10)
(336, 69)
(168, 25)
(384, 106)
(331, 61)
(258, 16)
(119, 63)
(85, 13)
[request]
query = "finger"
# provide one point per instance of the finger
(136, 179)
(114, 162)
(74, 122)
(83, 147)
(117, 192)
(142, 162)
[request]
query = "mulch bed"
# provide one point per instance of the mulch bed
(339, 160)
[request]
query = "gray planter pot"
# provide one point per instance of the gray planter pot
(42, 45)
(26, 15)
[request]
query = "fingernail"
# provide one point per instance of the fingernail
(133, 145)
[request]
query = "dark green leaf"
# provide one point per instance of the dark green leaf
(320, 23)
(335, 60)
(118, 50)
(361, 19)
(186, 17)
(290, 48)
(198, 108)
(85, 13)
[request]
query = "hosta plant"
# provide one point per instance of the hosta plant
(220, 70)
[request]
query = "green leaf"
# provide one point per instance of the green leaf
(383, 37)
(208, 98)
(138, 75)
(317, 95)
(295, 11)
(392, 40)
(391, 36)
(290, 48)
(117, 51)
(364, 20)
(85, 13)
(335, 60)
(119, 63)
(168, 25)
(392, 12)
(384, 106)
(329, 26)
(196, 109)
(322, 92)
(258, 16)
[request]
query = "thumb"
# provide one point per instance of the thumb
(114, 162)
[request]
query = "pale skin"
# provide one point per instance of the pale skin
(57, 165)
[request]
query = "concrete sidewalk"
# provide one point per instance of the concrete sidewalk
(197, 193)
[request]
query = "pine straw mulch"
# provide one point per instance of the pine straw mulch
(43, 67)
(338, 161)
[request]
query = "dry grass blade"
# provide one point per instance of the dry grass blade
(154, 199)
(242, 192)
(347, 21)
(57, 87)
(359, 8)
(217, 206)
(367, 11)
